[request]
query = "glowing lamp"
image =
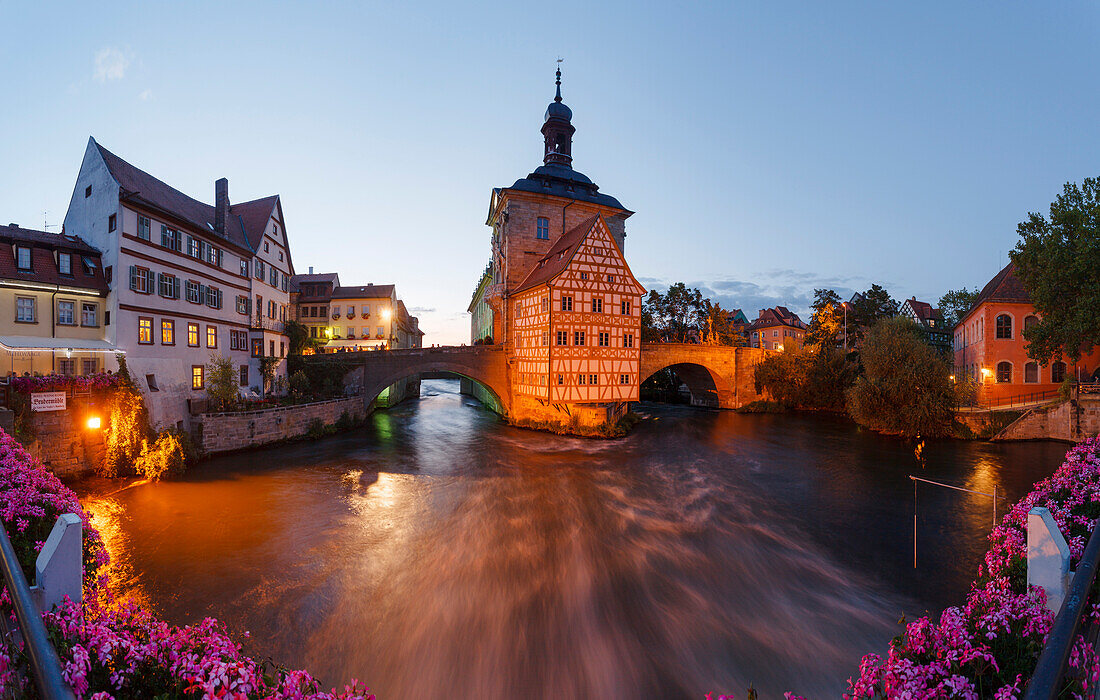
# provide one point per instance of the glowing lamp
(951, 377)
(986, 371)
(94, 423)
(779, 348)
(385, 314)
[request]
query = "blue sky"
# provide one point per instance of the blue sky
(767, 148)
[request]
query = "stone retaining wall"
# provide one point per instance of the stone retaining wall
(62, 440)
(225, 432)
(1070, 421)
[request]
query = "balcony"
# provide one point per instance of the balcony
(261, 323)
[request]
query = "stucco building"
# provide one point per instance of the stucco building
(990, 346)
(187, 280)
(52, 299)
(777, 328)
(558, 291)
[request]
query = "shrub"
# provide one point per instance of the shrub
(221, 383)
(165, 457)
(807, 379)
(126, 430)
(316, 429)
(345, 422)
(905, 387)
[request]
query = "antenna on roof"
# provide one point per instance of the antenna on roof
(46, 226)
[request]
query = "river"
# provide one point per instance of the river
(437, 552)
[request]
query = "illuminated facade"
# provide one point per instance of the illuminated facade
(558, 291)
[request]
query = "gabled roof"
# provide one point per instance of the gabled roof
(247, 221)
(777, 316)
(367, 291)
(330, 277)
(44, 266)
(922, 309)
(559, 256)
(1005, 287)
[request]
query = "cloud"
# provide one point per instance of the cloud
(145, 95)
(110, 64)
(422, 310)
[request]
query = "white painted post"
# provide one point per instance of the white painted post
(1047, 557)
(59, 569)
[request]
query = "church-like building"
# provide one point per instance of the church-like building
(558, 292)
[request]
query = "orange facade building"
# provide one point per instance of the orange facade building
(558, 292)
(990, 347)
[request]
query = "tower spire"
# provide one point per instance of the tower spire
(557, 82)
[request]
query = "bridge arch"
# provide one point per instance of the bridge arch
(707, 387)
(373, 388)
(374, 371)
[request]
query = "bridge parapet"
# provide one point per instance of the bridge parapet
(718, 376)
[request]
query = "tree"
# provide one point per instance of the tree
(806, 379)
(905, 386)
(298, 338)
(955, 303)
(221, 383)
(868, 308)
(672, 316)
(827, 319)
(718, 327)
(1058, 261)
(268, 363)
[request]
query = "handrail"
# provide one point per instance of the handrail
(45, 664)
(1049, 677)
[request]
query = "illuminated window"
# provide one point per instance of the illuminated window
(211, 336)
(198, 378)
(193, 335)
(167, 332)
(145, 330)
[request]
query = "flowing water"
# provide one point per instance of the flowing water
(437, 552)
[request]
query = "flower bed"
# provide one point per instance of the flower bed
(110, 649)
(989, 647)
(62, 382)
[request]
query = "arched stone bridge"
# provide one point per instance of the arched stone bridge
(717, 376)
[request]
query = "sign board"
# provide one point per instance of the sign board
(48, 401)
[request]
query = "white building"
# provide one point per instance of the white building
(187, 280)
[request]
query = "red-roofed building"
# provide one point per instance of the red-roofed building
(990, 346)
(777, 328)
(187, 279)
(558, 293)
(52, 295)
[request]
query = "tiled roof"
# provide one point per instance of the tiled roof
(368, 291)
(559, 256)
(1004, 287)
(44, 269)
(247, 221)
(563, 181)
(331, 277)
(923, 310)
(778, 316)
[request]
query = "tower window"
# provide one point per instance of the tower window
(542, 230)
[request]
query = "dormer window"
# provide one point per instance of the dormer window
(22, 257)
(64, 263)
(89, 265)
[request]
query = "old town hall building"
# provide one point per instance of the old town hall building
(558, 292)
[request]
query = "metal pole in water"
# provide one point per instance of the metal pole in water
(914, 524)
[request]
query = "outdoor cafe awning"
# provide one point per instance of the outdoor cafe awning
(33, 342)
(352, 344)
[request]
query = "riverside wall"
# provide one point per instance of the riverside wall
(226, 432)
(63, 442)
(1070, 421)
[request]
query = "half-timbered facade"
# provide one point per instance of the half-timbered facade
(578, 322)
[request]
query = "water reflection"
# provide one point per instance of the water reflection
(438, 551)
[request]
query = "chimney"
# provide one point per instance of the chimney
(221, 207)
(311, 269)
